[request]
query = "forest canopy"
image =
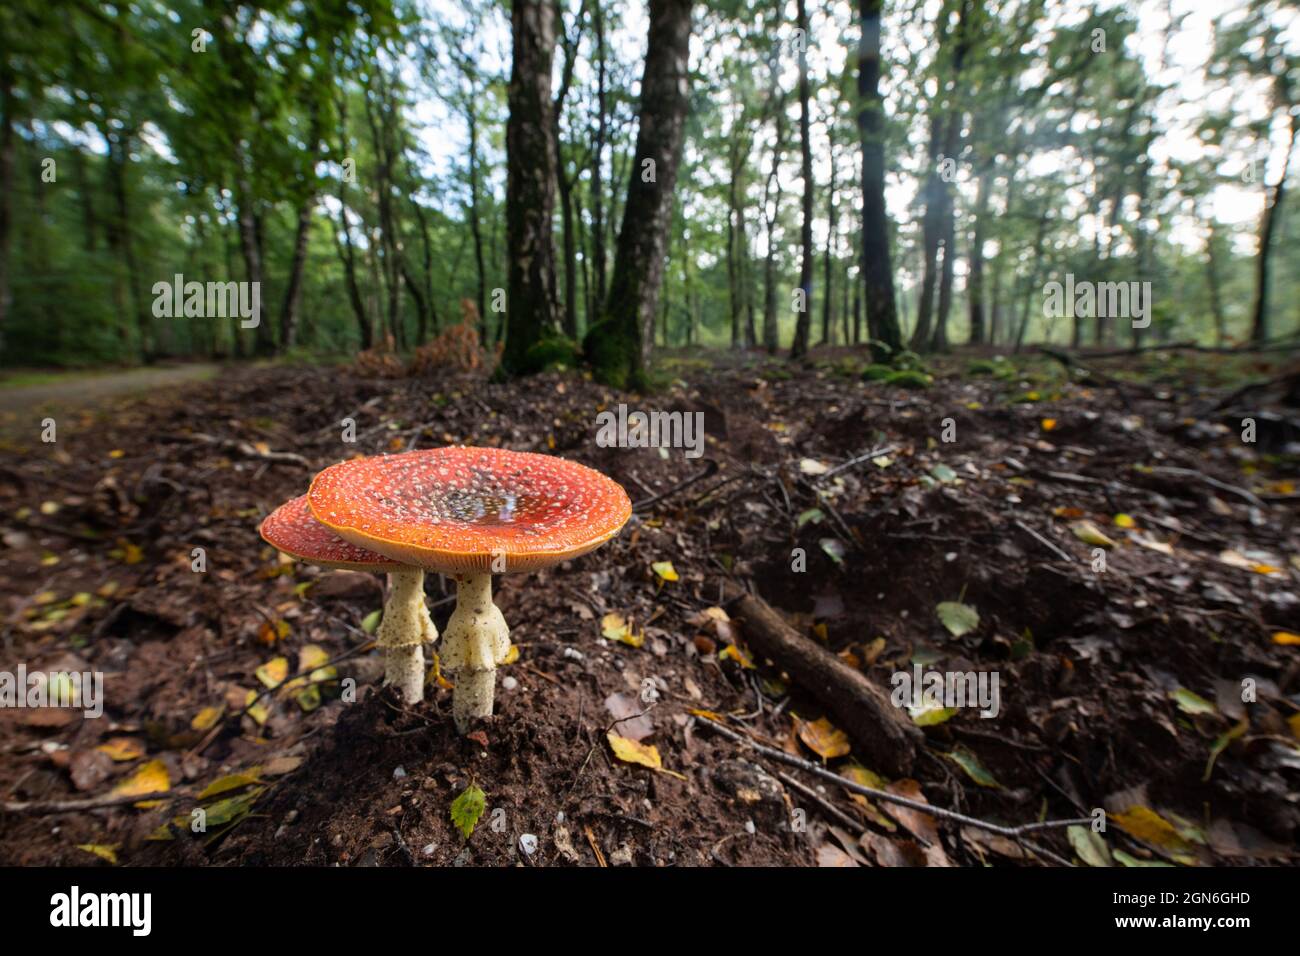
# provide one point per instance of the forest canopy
(954, 167)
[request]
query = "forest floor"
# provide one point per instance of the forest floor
(1121, 685)
(25, 391)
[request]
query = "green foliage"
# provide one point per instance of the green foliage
(909, 378)
(551, 352)
(876, 372)
(467, 808)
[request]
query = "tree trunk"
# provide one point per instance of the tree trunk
(619, 345)
(475, 226)
(597, 164)
(975, 281)
(828, 295)
(7, 149)
(532, 310)
(565, 185)
(877, 272)
(1215, 288)
(1268, 224)
(804, 317)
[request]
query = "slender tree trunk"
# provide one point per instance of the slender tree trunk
(828, 296)
(975, 280)
(7, 150)
(620, 344)
(475, 226)
(1212, 282)
(598, 161)
(531, 308)
(565, 185)
(877, 271)
(804, 317)
(1259, 325)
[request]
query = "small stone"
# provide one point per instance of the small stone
(399, 773)
(429, 849)
(750, 828)
(559, 817)
(509, 683)
(573, 654)
(528, 843)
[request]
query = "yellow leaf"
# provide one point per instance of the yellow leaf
(822, 737)
(149, 778)
(665, 570)
(1266, 569)
(117, 453)
(1125, 521)
(269, 633)
(105, 851)
(1286, 638)
(706, 714)
(206, 718)
(1048, 424)
(614, 627)
(1143, 823)
(733, 653)
(631, 751)
(234, 781)
(273, 672)
(1294, 723)
(1089, 533)
(132, 554)
(122, 748)
(258, 712)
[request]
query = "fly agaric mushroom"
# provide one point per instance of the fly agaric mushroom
(469, 513)
(406, 623)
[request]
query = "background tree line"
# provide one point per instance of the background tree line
(908, 174)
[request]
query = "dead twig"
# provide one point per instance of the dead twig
(1043, 541)
(710, 469)
(1014, 832)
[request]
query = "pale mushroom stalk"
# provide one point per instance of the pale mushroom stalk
(405, 628)
(476, 640)
(294, 530)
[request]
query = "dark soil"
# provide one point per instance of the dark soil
(95, 574)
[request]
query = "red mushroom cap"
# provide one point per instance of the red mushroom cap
(454, 509)
(293, 530)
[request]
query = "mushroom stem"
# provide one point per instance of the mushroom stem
(476, 640)
(405, 627)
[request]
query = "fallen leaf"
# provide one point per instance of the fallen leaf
(1222, 742)
(122, 748)
(148, 778)
(665, 570)
(206, 718)
(1089, 845)
(632, 751)
(810, 466)
(614, 627)
(970, 763)
(234, 781)
(273, 672)
(1286, 638)
(958, 618)
(1089, 533)
(105, 851)
(467, 808)
(823, 738)
(1143, 823)
(1192, 703)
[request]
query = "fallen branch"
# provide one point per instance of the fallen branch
(78, 806)
(1242, 493)
(247, 449)
(884, 796)
(887, 739)
(1043, 541)
(710, 468)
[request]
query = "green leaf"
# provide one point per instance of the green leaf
(1128, 860)
(371, 621)
(467, 808)
(1089, 845)
(935, 715)
(1190, 703)
(812, 514)
(974, 769)
(944, 473)
(833, 547)
(958, 618)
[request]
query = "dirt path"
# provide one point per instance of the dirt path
(78, 389)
